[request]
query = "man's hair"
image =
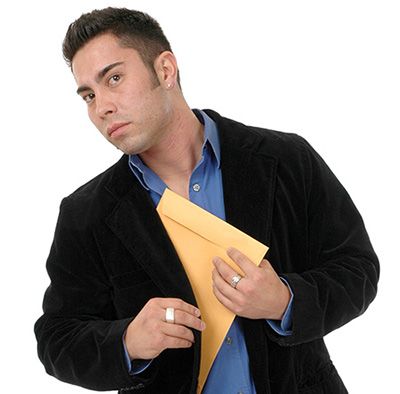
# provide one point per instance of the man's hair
(134, 29)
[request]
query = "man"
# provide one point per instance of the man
(120, 313)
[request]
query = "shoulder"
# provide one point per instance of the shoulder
(96, 198)
(278, 144)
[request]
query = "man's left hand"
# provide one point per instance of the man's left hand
(260, 294)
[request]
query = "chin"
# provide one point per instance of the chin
(129, 150)
(132, 146)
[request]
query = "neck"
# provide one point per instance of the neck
(174, 158)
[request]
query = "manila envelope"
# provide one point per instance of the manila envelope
(198, 236)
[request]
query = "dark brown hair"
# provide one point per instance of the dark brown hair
(134, 29)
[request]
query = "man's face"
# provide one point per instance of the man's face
(125, 100)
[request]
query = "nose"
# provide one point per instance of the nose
(104, 105)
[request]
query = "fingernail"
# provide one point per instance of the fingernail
(197, 312)
(203, 326)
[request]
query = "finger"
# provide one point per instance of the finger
(186, 319)
(178, 331)
(241, 260)
(223, 299)
(226, 272)
(177, 303)
(224, 288)
(171, 342)
(265, 264)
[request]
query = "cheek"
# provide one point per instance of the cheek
(93, 117)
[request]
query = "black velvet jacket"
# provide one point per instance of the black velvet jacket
(111, 254)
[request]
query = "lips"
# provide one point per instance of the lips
(115, 127)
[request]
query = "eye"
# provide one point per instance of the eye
(88, 98)
(114, 79)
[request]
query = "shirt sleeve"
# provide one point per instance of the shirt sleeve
(284, 327)
(136, 366)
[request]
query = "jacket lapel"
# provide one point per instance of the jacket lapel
(136, 223)
(248, 179)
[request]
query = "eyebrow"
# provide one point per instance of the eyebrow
(100, 75)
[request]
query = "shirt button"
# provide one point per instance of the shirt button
(228, 340)
(196, 187)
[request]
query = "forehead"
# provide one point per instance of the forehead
(100, 52)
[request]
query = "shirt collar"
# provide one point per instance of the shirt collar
(144, 173)
(210, 133)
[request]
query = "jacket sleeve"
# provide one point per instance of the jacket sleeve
(79, 338)
(341, 268)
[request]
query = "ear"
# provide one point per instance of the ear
(166, 69)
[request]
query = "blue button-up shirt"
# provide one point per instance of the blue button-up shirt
(230, 371)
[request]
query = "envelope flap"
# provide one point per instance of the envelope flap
(209, 226)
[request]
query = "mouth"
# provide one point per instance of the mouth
(116, 128)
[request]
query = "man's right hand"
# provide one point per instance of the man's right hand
(149, 334)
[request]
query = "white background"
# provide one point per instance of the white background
(326, 70)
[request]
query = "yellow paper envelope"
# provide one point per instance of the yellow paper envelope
(198, 236)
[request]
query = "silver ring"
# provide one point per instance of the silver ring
(235, 280)
(170, 315)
